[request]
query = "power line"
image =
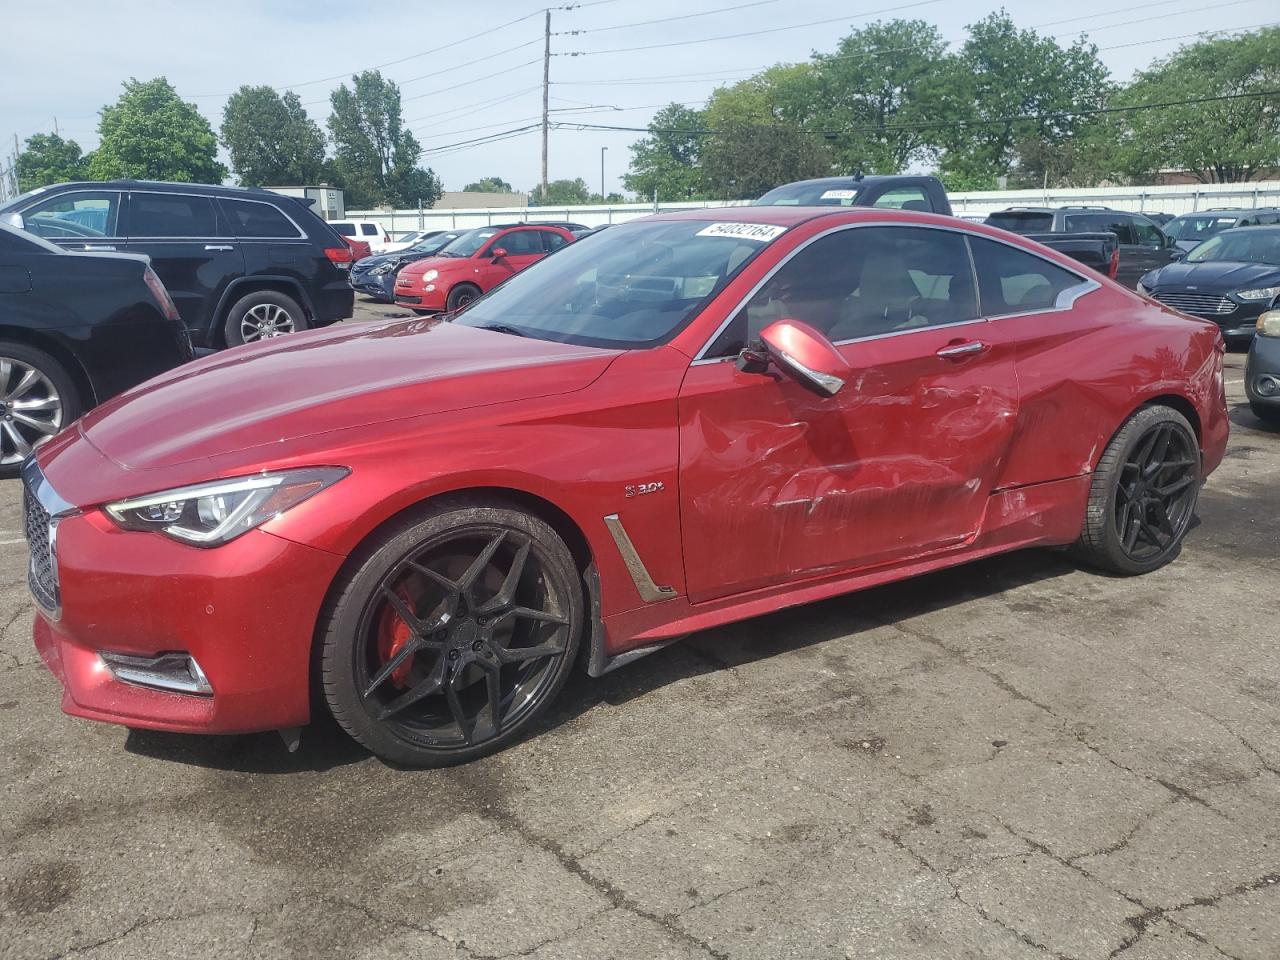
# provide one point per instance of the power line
(1187, 36)
(390, 63)
(1143, 6)
(754, 33)
(684, 16)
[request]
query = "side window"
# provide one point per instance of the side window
(552, 240)
(73, 216)
(1015, 281)
(254, 220)
(1147, 234)
(170, 215)
(1122, 227)
(864, 282)
(369, 229)
(520, 243)
(345, 229)
(904, 198)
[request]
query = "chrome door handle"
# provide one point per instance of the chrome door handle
(962, 349)
(98, 246)
(218, 246)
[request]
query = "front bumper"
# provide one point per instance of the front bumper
(245, 612)
(1240, 324)
(1261, 369)
(382, 287)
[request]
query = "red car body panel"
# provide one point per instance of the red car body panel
(758, 494)
(481, 269)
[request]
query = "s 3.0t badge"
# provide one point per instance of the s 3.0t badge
(640, 489)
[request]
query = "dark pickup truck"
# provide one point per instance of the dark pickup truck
(1075, 231)
(925, 194)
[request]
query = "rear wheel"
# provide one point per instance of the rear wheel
(460, 296)
(453, 635)
(1143, 494)
(37, 399)
(262, 315)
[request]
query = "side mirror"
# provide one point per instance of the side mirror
(13, 220)
(498, 253)
(1176, 252)
(802, 353)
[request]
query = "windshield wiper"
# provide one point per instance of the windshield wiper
(502, 328)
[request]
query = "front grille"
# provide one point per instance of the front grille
(42, 572)
(404, 298)
(1201, 304)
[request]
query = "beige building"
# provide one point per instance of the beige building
(459, 200)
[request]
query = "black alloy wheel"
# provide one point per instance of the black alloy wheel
(453, 636)
(1144, 492)
(460, 296)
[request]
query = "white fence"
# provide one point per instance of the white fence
(1175, 200)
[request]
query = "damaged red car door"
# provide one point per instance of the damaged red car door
(778, 482)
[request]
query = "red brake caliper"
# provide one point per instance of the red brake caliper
(393, 634)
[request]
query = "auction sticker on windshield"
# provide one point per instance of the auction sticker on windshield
(762, 232)
(839, 195)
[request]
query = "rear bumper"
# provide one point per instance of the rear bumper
(245, 611)
(333, 302)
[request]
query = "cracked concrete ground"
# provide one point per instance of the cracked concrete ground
(1015, 759)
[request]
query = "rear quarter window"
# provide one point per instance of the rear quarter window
(259, 220)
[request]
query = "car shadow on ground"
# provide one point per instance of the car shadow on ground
(325, 746)
(1242, 415)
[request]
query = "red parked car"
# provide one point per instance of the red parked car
(359, 249)
(688, 420)
(474, 264)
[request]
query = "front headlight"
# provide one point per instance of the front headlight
(430, 275)
(211, 514)
(1143, 290)
(1269, 324)
(384, 268)
(1262, 293)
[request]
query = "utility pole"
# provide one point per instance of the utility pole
(546, 97)
(602, 194)
(55, 126)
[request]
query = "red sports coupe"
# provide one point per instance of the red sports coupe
(687, 420)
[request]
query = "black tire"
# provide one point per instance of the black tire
(268, 312)
(1265, 413)
(34, 389)
(413, 655)
(460, 296)
(1138, 510)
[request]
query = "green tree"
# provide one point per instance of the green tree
(667, 160)
(561, 193)
(376, 158)
(876, 94)
(46, 158)
(270, 138)
(1002, 74)
(1225, 141)
(489, 185)
(150, 133)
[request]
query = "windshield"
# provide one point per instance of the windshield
(822, 193)
(433, 244)
(468, 243)
(1022, 221)
(634, 285)
(1197, 228)
(1248, 246)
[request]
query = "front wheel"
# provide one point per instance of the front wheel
(460, 296)
(37, 399)
(452, 635)
(1143, 494)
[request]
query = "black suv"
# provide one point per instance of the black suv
(1143, 245)
(241, 264)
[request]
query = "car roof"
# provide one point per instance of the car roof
(789, 216)
(1251, 231)
(165, 186)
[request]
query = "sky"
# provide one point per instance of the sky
(467, 72)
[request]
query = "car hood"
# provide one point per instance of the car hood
(1213, 276)
(321, 381)
(404, 256)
